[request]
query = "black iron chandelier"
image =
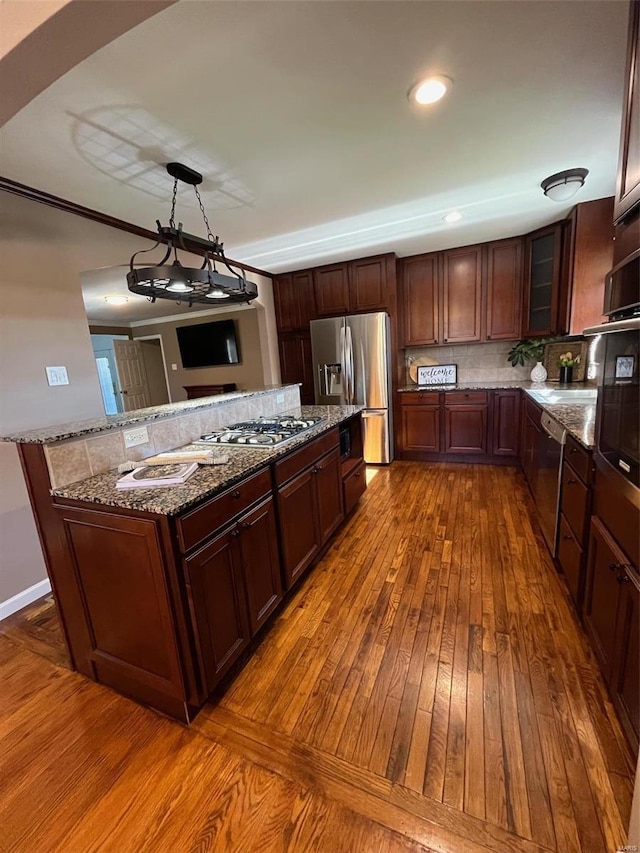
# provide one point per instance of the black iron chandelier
(204, 285)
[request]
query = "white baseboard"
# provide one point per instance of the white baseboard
(17, 602)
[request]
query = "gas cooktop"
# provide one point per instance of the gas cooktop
(262, 433)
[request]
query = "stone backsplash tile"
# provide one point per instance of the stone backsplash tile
(476, 362)
(68, 462)
(105, 452)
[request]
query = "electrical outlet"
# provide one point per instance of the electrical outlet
(174, 367)
(279, 398)
(134, 437)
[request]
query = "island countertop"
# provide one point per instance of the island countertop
(75, 429)
(208, 480)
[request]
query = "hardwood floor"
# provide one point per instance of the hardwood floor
(428, 688)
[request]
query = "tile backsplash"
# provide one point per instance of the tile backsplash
(79, 458)
(476, 362)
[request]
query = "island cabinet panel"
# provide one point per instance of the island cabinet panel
(506, 423)
(625, 679)
(331, 285)
(504, 289)
(462, 294)
(120, 569)
(299, 525)
(217, 598)
(419, 277)
(329, 491)
(260, 563)
(368, 284)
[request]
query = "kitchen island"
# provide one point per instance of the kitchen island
(162, 592)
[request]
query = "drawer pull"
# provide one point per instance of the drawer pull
(573, 450)
(235, 532)
(571, 481)
(615, 567)
(235, 494)
(568, 537)
(245, 525)
(624, 579)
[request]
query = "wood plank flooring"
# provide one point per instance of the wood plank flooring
(427, 688)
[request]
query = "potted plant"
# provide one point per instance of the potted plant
(567, 361)
(530, 349)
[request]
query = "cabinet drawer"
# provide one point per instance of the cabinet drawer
(574, 502)
(297, 461)
(420, 398)
(354, 486)
(463, 398)
(579, 458)
(570, 559)
(195, 526)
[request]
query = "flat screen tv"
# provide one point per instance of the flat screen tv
(208, 344)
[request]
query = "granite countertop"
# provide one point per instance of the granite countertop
(207, 481)
(577, 418)
(74, 429)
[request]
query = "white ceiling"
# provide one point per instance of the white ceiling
(296, 112)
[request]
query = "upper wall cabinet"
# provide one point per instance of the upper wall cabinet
(504, 290)
(294, 301)
(628, 187)
(543, 264)
(462, 295)
(420, 283)
(367, 284)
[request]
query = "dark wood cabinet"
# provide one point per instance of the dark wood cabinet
(294, 301)
(462, 295)
(606, 564)
(625, 678)
(258, 542)
(329, 494)
(505, 431)
(195, 391)
(368, 284)
(465, 423)
(364, 285)
(420, 287)
(504, 289)
(216, 590)
(575, 512)
(531, 434)
(542, 279)
(299, 525)
(331, 285)
(628, 184)
(296, 364)
(420, 422)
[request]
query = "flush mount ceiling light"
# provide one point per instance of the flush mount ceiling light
(204, 285)
(564, 185)
(116, 300)
(454, 216)
(429, 90)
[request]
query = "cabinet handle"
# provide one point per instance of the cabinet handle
(235, 494)
(573, 450)
(488, 337)
(571, 481)
(567, 537)
(614, 567)
(245, 525)
(235, 532)
(435, 340)
(624, 579)
(319, 468)
(445, 340)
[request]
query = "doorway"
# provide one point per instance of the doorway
(156, 368)
(103, 351)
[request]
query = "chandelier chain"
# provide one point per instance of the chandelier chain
(204, 216)
(172, 221)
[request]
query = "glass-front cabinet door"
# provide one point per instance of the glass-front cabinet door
(542, 282)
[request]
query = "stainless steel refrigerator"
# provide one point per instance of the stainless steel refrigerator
(352, 365)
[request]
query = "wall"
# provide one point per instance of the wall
(247, 375)
(476, 362)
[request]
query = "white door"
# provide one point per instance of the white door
(133, 376)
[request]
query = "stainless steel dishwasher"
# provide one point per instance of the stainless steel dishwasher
(549, 470)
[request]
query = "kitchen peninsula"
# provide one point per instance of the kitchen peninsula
(162, 591)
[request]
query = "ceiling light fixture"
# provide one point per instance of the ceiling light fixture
(454, 216)
(188, 284)
(563, 185)
(429, 90)
(116, 300)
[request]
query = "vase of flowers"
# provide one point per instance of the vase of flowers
(530, 350)
(567, 362)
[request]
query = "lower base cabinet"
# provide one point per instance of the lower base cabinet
(612, 621)
(465, 429)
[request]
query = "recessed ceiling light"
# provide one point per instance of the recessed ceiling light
(116, 300)
(454, 216)
(430, 90)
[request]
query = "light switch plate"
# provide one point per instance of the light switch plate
(57, 375)
(136, 436)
